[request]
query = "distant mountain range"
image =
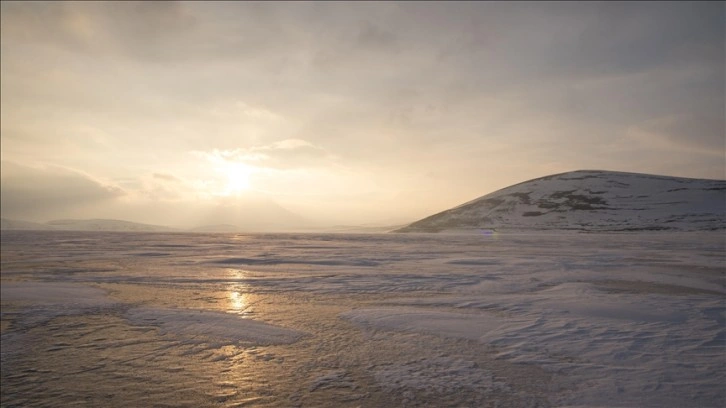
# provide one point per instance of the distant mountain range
(590, 200)
(120, 225)
(8, 224)
(81, 225)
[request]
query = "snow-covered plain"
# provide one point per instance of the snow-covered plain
(491, 319)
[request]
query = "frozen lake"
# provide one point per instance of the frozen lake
(375, 320)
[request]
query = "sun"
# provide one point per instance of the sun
(237, 178)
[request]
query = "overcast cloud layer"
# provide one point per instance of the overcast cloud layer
(344, 112)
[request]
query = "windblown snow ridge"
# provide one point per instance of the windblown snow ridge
(590, 200)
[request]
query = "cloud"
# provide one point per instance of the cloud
(293, 153)
(287, 154)
(682, 133)
(162, 187)
(373, 37)
(30, 193)
(142, 30)
(166, 177)
(449, 100)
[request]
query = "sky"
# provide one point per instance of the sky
(270, 114)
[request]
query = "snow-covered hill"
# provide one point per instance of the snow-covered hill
(590, 200)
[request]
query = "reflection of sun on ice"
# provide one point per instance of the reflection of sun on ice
(237, 293)
(238, 301)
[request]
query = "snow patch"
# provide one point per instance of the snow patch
(208, 325)
(67, 295)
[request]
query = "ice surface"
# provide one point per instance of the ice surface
(211, 326)
(332, 379)
(619, 349)
(53, 294)
(507, 319)
(47, 300)
(439, 375)
(39, 302)
(468, 326)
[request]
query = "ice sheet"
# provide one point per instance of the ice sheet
(627, 320)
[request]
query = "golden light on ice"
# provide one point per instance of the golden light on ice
(238, 301)
(237, 293)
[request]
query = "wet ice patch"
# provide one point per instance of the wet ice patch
(206, 326)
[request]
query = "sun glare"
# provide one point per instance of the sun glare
(238, 178)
